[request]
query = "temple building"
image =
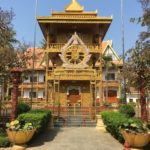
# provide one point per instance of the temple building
(74, 73)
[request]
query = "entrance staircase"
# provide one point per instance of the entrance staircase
(75, 117)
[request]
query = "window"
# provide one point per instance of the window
(111, 93)
(33, 94)
(41, 78)
(110, 76)
(33, 79)
(130, 100)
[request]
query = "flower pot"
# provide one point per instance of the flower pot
(137, 140)
(20, 137)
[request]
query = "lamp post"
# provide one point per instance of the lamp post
(16, 74)
(33, 54)
(123, 51)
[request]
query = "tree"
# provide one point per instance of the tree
(9, 55)
(137, 73)
(7, 40)
(137, 65)
(22, 46)
(145, 21)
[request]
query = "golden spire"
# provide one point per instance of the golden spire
(74, 6)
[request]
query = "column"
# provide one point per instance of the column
(16, 74)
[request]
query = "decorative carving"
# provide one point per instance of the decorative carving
(75, 54)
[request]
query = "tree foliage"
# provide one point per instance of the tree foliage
(137, 66)
(7, 41)
(11, 50)
(10, 55)
(145, 35)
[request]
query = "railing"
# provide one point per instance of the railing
(56, 47)
(72, 110)
(113, 83)
(35, 85)
(68, 74)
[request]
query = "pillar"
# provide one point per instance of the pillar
(16, 74)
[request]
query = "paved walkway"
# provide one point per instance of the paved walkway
(75, 139)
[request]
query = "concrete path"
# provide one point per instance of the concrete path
(75, 138)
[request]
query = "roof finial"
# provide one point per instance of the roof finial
(74, 6)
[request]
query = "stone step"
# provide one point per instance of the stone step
(77, 121)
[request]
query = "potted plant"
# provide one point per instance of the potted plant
(135, 133)
(19, 132)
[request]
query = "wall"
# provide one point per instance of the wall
(133, 96)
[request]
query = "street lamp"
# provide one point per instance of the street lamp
(123, 50)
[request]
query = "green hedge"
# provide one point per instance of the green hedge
(127, 109)
(39, 119)
(113, 120)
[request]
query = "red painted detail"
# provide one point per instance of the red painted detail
(126, 146)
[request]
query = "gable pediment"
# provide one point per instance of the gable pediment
(109, 51)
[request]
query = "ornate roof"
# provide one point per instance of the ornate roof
(74, 6)
(39, 56)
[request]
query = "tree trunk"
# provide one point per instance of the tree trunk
(144, 115)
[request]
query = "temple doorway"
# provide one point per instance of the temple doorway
(73, 96)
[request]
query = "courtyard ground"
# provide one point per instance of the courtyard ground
(74, 138)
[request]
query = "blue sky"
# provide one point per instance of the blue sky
(24, 18)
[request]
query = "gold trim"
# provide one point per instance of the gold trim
(74, 21)
(73, 17)
(74, 13)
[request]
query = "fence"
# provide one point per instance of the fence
(5, 110)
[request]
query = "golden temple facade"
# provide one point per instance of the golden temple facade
(74, 68)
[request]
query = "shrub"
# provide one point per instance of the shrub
(127, 109)
(134, 125)
(148, 125)
(113, 120)
(4, 142)
(22, 108)
(16, 125)
(39, 119)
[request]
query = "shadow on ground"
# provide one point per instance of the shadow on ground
(47, 136)
(147, 147)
